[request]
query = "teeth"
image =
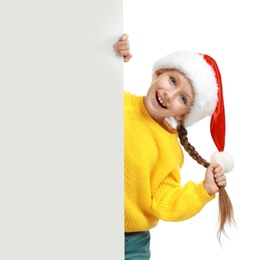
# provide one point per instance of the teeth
(160, 101)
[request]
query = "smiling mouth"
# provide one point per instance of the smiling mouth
(160, 102)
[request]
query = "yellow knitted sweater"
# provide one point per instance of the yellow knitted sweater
(152, 161)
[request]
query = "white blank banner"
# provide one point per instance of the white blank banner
(61, 130)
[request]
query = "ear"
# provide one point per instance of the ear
(157, 73)
(180, 117)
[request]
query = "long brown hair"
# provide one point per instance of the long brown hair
(226, 213)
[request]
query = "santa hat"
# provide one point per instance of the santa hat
(205, 77)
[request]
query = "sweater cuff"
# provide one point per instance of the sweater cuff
(203, 193)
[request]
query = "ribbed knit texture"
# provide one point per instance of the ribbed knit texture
(152, 163)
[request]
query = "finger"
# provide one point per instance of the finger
(218, 174)
(127, 58)
(122, 47)
(120, 43)
(217, 168)
(221, 178)
(222, 184)
(124, 37)
(221, 181)
(124, 53)
(123, 50)
(214, 165)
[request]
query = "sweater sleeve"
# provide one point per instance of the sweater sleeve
(171, 202)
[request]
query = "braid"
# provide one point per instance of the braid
(225, 206)
(182, 133)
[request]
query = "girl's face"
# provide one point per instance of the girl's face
(170, 95)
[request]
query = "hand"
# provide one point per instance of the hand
(214, 178)
(122, 48)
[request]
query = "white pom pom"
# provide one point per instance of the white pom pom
(224, 159)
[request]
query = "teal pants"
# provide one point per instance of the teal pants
(137, 246)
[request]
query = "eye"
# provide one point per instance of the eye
(173, 80)
(184, 99)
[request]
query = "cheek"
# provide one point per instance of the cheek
(177, 108)
(180, 108)
(151, 92)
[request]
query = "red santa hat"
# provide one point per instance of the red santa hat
(205, 77)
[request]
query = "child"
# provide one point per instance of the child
(186, 87)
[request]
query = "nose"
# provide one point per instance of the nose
(169, 95)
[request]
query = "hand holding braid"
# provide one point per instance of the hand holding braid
(226, 215)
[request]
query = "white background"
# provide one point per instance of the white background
(237, 34)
